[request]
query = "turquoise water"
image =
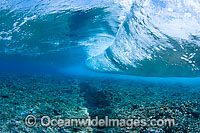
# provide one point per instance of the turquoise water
(140, 38)
(121, 57)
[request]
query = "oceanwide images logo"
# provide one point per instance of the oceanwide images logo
(46, 121)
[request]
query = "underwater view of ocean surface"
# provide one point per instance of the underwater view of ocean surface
(99, 66)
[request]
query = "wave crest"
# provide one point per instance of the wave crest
(158, 38)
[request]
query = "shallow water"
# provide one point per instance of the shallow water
(117, 58)
(81, 97)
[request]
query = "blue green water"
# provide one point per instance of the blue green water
(140, 38)
(108, 44)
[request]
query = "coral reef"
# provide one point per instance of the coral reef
(67, 97)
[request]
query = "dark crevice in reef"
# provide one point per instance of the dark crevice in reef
(97, 101)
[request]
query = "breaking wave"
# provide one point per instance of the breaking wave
(143, 37)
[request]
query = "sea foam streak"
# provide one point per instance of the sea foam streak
(157, 38)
